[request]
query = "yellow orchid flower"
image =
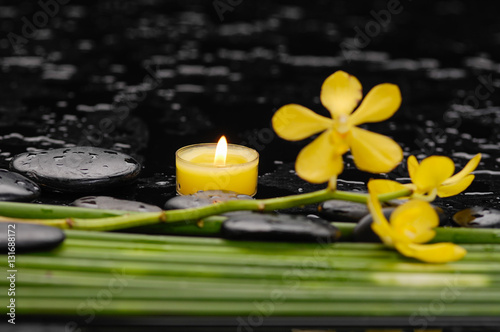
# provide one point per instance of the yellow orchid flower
(411, 224)
(433, 176)
(340, 94)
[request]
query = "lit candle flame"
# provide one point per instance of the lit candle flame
(221, 152)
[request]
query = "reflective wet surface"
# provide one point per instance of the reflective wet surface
(148, 78)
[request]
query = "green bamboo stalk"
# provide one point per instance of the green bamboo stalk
(55, 278)
(364, 271)
(466, 235)
(118, 239)
(232, 248)
(125, 241)
(476, 253)
(109, 241)
(247, 308)
(239, 294)
(221, 277)
(388, 262)
(52, 280)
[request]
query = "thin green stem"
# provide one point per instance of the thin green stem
(46, 211)
(194, 214)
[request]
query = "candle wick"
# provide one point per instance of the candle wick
(219, 161)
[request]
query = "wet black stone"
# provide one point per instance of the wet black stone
(478, 217)
(338, 210)
(363, 231)
(202, 198)
(29, 237)
(111, 203)
(15, 187)
(281, 227)
(77, 169)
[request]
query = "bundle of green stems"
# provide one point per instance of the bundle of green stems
(114, 273)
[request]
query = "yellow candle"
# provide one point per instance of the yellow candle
(198, 169)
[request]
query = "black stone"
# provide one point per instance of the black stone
(29, 237)
(111, 203)
(363, 231)
(338, 210)
(202, 198)
(281, 227)
(15, 187)
(478, 217)
(77, 169)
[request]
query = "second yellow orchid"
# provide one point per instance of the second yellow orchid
(411, 224)
(432, 177)
(340, 94)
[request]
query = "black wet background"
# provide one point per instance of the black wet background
(148, 77)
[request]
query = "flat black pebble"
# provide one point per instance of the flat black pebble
(202, 198)
(478, 217)
(281, 227)
(77, 169)
(29, 237)
(15, 187)
(111, 203)
(338, 210)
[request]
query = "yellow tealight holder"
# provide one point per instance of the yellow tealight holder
(221, 166)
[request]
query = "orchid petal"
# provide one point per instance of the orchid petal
(379, 104)
(341, 93)
(414, 220)
(456, 187)
(412, 167)
(380, 225)
(373, 152)
(383, 186)
(294, 122)
(319, 160)
(432, 253)
(471, 166)
(432, 172)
